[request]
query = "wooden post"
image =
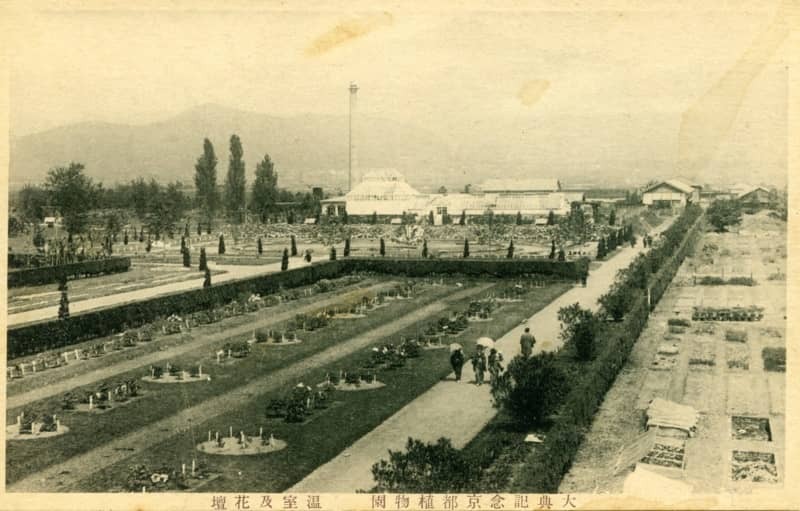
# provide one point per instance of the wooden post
(260, 432)
(209, 435)
(193, 466)
(183, 469)
(231, 432)
(91, 402)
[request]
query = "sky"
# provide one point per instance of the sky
(587, 86)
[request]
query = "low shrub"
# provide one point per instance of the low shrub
(678, 322)
(736, 335)
(50, 274)
(261, 335)
(774, 359)
(352, 378)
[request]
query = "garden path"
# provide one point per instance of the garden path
(454, 410)
(67, 384)
(62, 476)
(232, 272)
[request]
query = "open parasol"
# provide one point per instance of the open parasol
(455, 347)
(486, 342)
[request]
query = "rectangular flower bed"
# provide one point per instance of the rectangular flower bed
(736, 335)
(666, 452)
(750, 428)
(738, 356)
(703, 354)
(774, 359)
(756, 467)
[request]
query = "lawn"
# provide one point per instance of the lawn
(328, 431)
(159, 400)
(140, 276)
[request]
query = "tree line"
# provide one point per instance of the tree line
(69, 192)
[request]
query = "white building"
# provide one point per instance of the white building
(386, 193)
(672, 192)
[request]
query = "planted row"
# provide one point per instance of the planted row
(51, 274)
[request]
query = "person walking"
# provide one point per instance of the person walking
(457, 361)
(495, 364)
(526, 342)
(479, 365)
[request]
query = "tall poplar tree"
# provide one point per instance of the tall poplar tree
(235, 182)
(205, 180)
(265, 188)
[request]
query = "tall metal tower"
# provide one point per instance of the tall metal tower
(352, 151)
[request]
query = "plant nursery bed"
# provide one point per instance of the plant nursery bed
(750, 428)
(702, 355)
(352, 387)
(12, 433)
(234, 447)
(666, 452)
(168, 378)
(663, 362)
(756, 467)
(738, 356)
(103, 408)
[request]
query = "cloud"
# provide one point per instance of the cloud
(347, 31)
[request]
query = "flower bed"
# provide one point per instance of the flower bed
(752, 313)
(679, 322)
(774, 359)
(736, 335)
(702, 354)
(32, 426)
(666, 452)
(750, 428)
(241, 445)
(756, 467)
(738, 356)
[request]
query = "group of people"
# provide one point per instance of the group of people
(489, 359)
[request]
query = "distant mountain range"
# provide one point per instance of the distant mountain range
(308, 150)
(312, 150)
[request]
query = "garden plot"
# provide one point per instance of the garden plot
(666, 357)
(30, 426)
(241, 444)
(755, 467)
(737, 356)
(751, 429)
(174, 374)
(666, 453)
(702, 354)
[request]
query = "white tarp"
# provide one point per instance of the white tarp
(648, 485)
(667, 414)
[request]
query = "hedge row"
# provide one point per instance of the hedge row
(420, 267)
(36, 337)
(50, 274)
(576, 415)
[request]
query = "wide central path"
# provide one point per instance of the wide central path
(62, 476)
(232, 272)
(450, 409)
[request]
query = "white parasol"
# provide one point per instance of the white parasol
(486, 342)
(455, 347)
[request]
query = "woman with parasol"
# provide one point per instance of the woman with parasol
(479, 358)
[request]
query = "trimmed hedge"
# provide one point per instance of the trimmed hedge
(50, 274)
(555, 457)
(44, 335)
(419, 267)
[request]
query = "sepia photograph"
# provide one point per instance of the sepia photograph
(398, 256)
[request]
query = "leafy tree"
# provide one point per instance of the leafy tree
(205, 181)
(561, 255)
(125, 238)
(510, 254)
(63, 307)
(187, 259)
(382, 248)
(31, 202)
(531, 388)
(601, 248)
(294, 246)
(203, 261)
(259, 246)
(425, 249)
(463, 219)
(221, 247)
(333, 253)
(466, 248)
(207, 280)
(265, 189)
(551, 218)
(199, 229)
(71, 192)
(724, 213)
(38, 238)
(235, 182)
(347, 247)
(285, 260)
(552, 250)
(519, 218)
(426, 468)
(578, 327)
(612, 218)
